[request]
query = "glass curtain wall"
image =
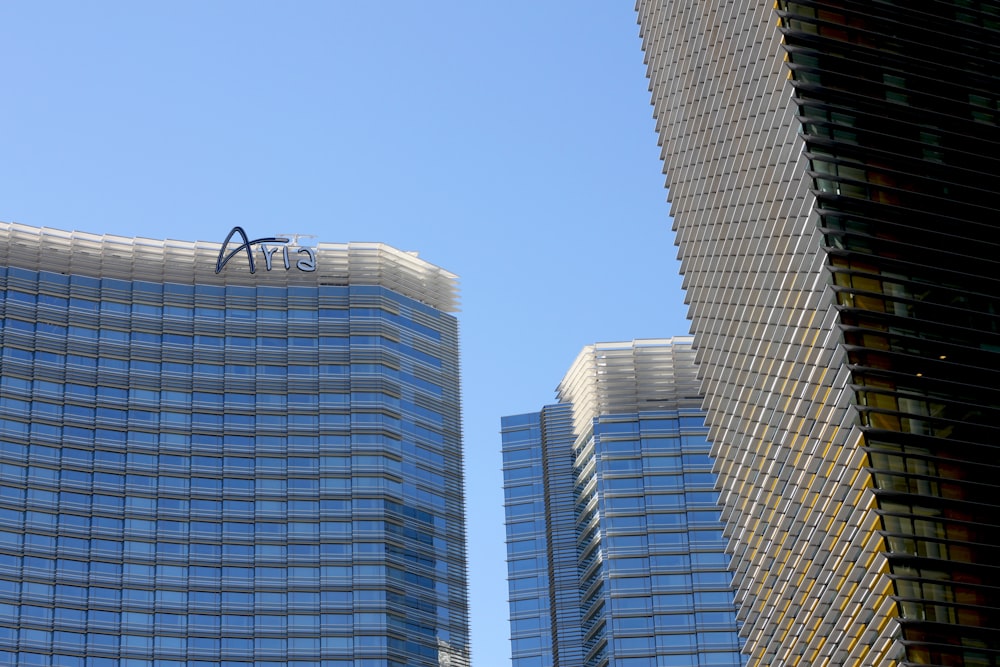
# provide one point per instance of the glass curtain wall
(207, 476)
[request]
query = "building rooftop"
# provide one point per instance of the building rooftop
(631, 377)
(196, 262)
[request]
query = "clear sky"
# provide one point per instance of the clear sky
(511, 143)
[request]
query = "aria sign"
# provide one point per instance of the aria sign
(307, 263)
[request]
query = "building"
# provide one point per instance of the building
(833, 171)
(228, 455)
(614, 540)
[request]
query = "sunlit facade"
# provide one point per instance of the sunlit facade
(833, 173)
(614, 541)
(210, 463)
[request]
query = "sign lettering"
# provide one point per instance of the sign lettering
(307, 263)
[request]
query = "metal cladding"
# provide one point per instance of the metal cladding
(196, 263)
(622, 378)
(852, 143)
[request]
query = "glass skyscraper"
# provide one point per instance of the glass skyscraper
(228, 455)
(833, 171)
(615, 548)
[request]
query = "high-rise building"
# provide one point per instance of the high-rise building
(614, 540)
(228, 455)
(833, 168)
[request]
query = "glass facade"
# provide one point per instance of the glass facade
(902, 146)
(614, 538)
(212, 475)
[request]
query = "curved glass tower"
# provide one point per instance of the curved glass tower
(221, 456)
(615, 551)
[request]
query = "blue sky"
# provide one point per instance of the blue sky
(511, 143)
